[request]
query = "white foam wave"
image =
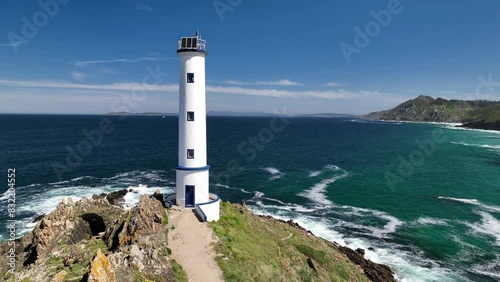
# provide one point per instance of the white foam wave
(478, 145)
(233, 188)
(390, 227)
(5, 196)
(431, 221)
(332, 167)
(326, 167)
(276, 174)
(473, 129)
(137, 174)
(392, 223)
(258, 194)
(317, 192)
(71, 180)
(489, 226)
(472, 202)
(132, 198)
(314, 173)
(290, 207)
(489, 269)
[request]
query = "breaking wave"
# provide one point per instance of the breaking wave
(317, 192)
(474, 202)
(275, 173)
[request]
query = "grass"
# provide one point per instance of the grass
(179, 273)
(83, 258)
(489, 114)
(260, 249)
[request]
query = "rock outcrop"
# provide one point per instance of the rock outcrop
(376, 272)
(117, 197)
(101, 270)
(95, 240)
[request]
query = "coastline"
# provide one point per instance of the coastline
(89, 237)
(451, 125)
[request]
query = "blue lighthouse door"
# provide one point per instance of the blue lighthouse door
(189, 195)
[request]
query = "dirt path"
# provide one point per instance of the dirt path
(190, 242)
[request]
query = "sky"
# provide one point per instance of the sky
(299, 57)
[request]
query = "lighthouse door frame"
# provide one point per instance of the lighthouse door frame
(190, 196)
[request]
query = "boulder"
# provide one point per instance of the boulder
(159, 196)
(374, 271)
(116, 198)
(100, 269)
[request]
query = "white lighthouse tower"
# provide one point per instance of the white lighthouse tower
(192, 187)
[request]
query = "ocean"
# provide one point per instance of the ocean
(421, 198)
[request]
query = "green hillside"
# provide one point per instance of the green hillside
(475, 114)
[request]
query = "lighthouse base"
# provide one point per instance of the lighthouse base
(191, 187)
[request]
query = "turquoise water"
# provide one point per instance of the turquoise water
(431, 212)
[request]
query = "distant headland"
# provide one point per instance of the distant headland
(477, 114)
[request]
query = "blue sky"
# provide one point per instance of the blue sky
(263, 55)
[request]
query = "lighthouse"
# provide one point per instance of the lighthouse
(192, 171)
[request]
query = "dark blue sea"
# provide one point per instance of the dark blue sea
(425, 197)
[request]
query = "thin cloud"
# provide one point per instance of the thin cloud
(233, 90)
(15, 44)
(133, 60)
(333, 84)
(78, 75)
(282, 82)
(131, 86)
(233, 82)
(145, 7)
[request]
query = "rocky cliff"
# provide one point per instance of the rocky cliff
(97, 241)
(93, 240)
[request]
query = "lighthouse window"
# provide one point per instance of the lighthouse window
(190, 153)
(190, 116)
(190, 77)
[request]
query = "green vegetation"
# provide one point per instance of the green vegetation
(75, 261)
(254, 248)
(486, 118)
(179, 273)
(477, 114)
